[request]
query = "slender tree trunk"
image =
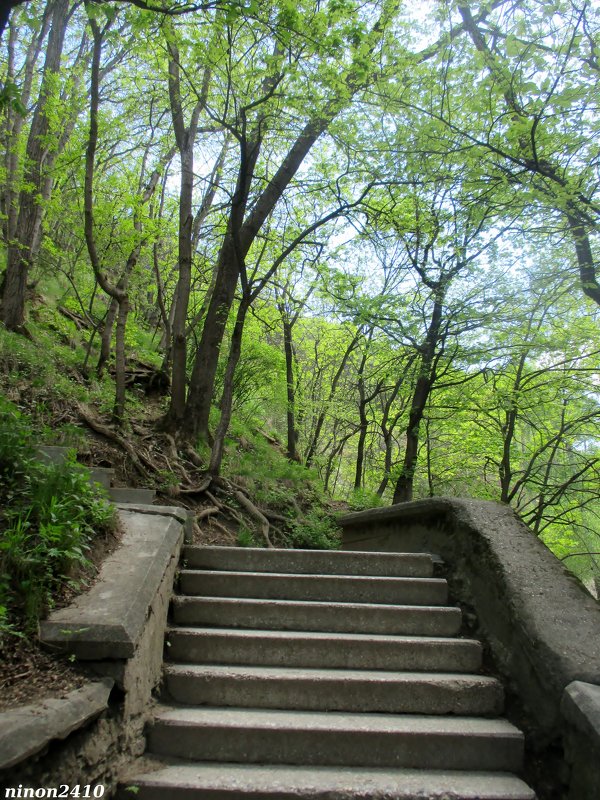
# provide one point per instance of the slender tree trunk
(39, 158)
(197, 411)
(119, 295)
(334, 384)
(362, 426)
(12, 123)
(288, 346)
(387, 440)
(235, 351)
(387, 430)
(403, 491)
(404, 485)
(185, 138)
(120, 360)
(106, 338)
(182, 293)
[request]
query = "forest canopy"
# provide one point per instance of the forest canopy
(369, 228)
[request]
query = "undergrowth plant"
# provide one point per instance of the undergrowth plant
(286, 487)
(49, 515)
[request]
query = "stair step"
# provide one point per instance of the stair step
(337, 588)
(310, 616)
(276, 782)
(334, 690)
(323, 650)
(142, 496)
(102, 475)
(334, 738)
(52, 453)
(319, 562)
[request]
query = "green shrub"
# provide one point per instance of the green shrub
(361, 499)
(316, 531)
(49, 514)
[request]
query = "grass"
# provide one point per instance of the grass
(276, 483)
(50, 514)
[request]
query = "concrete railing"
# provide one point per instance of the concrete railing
(541, 625)
(117, 628)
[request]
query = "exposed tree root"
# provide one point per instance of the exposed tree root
(202, 487)
(206, 512)
(216, 524)
(104, 430)
(249, 506)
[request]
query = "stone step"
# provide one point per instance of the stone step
(310, 616)
(323, 650)
(335, 690)
(337, 588)
(131, 495)
(280, 782)
(335, 738)
(57, 454)
(52, 453)
(102, 475)
(316, 562)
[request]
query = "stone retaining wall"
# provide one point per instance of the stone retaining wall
(118, 627)
(542, 626)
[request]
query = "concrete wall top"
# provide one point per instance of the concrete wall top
(541, 623)
(107, 621)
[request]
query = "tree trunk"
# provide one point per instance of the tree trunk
(404, 485)
(182, 292)
(403, 491)
(197, 410)
(321, 418)
(362, 427)
(235, 351)
(120, 360)
(585, 258)
(106, 338)
(37, 181)
(185, 138)
(116, 293)
(292, 435)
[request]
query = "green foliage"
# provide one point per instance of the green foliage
(316, 531)
(245, 537)
(361, 499)
(50, 515)
(278, 484)
(10, 97)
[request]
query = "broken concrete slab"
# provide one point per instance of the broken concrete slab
(107, 621)
(25, 731)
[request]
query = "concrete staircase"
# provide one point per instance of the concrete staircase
(330, 675)
(102, 476)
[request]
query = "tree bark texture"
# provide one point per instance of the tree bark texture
(37, 181)
(403, 491)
